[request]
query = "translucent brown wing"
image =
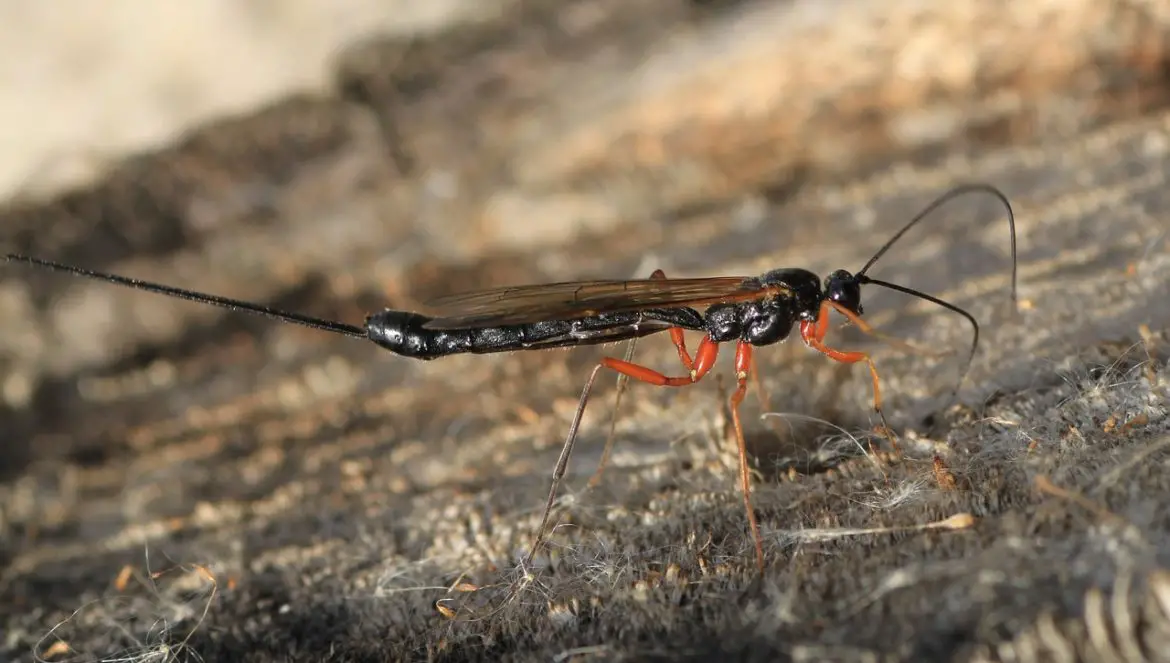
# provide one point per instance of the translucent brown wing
(580, 299)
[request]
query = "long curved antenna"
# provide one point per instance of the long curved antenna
(938, 202)
(950, 307)
(960, 190)
(200, 297)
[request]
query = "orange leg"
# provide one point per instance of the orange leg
(704, 359)
(743, 363)
(865, 327)
(676, 336)
(814, 333)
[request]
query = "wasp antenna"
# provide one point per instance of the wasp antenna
(938, 202)
(950, 307)
(191, 295)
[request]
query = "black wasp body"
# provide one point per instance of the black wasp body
(797, 296)
(406, 333)
(747, 311)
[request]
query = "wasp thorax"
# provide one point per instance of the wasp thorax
(758, 323)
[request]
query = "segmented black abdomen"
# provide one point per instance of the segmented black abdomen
(404, 333)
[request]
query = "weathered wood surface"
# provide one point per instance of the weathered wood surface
(335, 492)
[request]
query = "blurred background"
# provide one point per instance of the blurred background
(384, 143)
(90, 83)
(337, 157)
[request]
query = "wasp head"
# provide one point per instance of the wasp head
(844, 288)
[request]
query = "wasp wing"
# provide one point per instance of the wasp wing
(570, 300)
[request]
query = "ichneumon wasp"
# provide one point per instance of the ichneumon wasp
(748, 311)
